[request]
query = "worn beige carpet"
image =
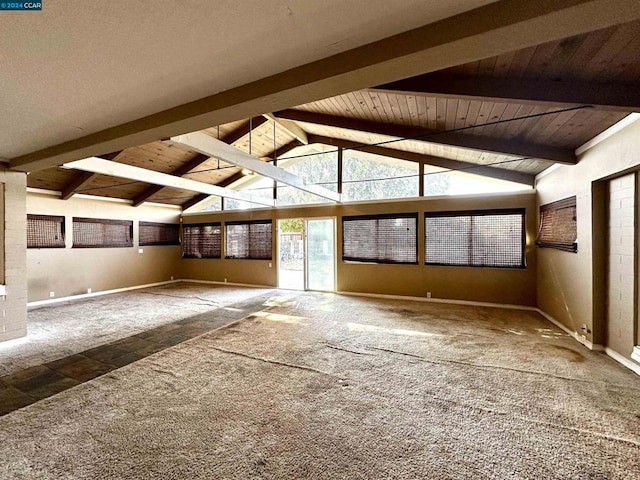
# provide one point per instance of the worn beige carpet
(321, 386)
(58, 330)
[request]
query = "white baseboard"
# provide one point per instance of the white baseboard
(623, 360)
(230, 284)
(50, 301)
(576, 336)
(635, 355)
(440, 300)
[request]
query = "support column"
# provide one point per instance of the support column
(13, 261)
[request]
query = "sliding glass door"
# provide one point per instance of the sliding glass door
(306, 254)
(320, 259)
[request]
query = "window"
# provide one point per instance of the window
(438, 181)
(485, 238)
(249, 240)
(101, 233)
(320, 169)
(45, 231)
(202, 240)
(371, 177)
(389, 238)
(558, 225)
(253, 184)
(159, 234)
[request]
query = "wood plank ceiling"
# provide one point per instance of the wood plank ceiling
(521, 111)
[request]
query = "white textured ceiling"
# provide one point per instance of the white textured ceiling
(80, 66)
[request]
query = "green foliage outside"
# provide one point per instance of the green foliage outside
(291, 225)
(365, 177)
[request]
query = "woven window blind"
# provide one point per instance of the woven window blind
(559, 225)
(391, 238)
(203, 240)
(485, 238)
(102, 233)
(45, 231)
(249, 240)
(152, 233)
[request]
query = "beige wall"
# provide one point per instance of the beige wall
(13, 317)
(571, 286)
(512, 286)
(71, 271)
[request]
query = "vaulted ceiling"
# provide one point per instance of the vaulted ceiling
(509, 115)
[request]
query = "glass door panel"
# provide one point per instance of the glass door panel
(320, 258)
(291, 253)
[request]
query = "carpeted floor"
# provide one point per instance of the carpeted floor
(322, 386)
(59, 330)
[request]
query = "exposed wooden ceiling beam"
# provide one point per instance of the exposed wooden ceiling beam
(185, 168)
(105, 167)
(468, 167)
(202, 197)
(515, 90)
(284, 149)
(194, 201)
(80, 180)
(291, 128)
(205, 144)
(238, 175)
(487, 31)
(243, 130)
(111, 156)
(84, 178)
(231, 179)
(460, 140)
(199, 159)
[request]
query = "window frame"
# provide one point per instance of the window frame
(381, 216)
(103, 221)
(480, 213)
(194, 225)
(249, 248)
(58, 219)
(569, 202)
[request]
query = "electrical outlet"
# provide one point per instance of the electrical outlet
(140, 250)
(52, 294)
(88, 290)
(270, 265)
(171, 277)
(428, 294)
(225, 280)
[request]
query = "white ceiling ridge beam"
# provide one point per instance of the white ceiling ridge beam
(290, 127)
(207, 145)
(130, 172)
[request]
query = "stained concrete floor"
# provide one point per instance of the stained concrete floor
(66, 347)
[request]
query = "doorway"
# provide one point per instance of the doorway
(306, 254)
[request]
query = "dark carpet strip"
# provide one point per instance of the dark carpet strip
(30, 385)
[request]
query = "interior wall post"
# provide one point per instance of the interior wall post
(13, 227)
